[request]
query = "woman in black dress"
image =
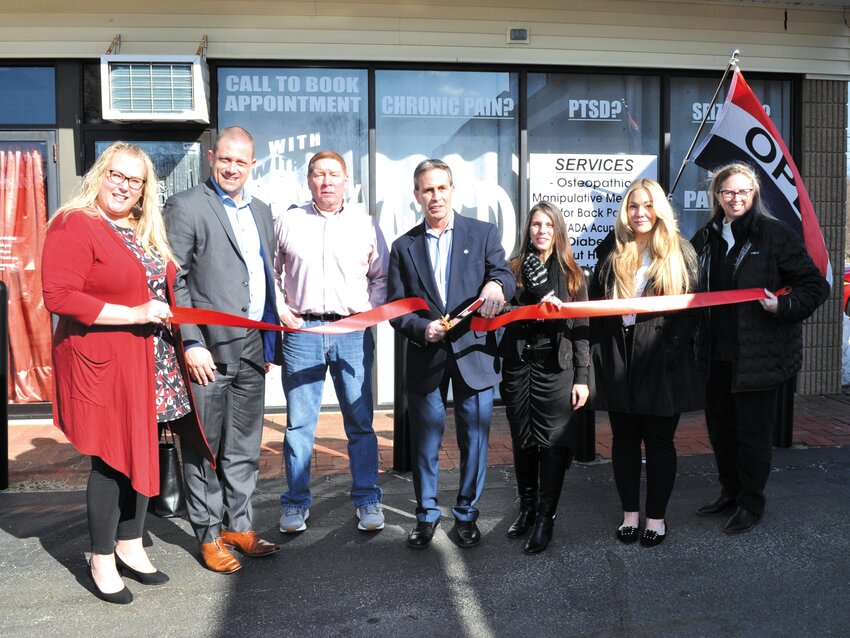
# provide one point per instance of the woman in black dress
(544, 372)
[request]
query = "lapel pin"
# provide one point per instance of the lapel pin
(465, 251)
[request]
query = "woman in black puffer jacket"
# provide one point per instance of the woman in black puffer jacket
(748, 350)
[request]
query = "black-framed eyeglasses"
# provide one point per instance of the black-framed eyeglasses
(743, 193)
(118, 178)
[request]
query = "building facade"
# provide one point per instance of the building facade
(552, 99)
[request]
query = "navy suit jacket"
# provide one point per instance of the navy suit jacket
(477, 257)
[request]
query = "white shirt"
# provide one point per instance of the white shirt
(248, 238)
(640, 284)
(440, 253)
(329, 262)
(728, 236)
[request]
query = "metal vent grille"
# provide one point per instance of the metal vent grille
(155, 88)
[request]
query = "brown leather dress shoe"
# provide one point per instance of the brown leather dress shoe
(218, 558)
(248, 543)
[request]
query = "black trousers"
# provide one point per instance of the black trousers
(656, 433)
(740, 428)
(115, 509)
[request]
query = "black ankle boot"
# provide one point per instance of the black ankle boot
(523, 522)
(526, 468)
(541, 535)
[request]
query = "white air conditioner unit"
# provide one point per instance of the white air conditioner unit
(147, 88)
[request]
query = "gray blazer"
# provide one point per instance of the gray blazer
(213, 275)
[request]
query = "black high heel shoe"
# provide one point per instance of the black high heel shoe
(146, 578)
(123, 597)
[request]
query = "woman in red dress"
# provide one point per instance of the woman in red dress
(107, 273)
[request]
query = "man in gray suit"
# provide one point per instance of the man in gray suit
(223, 241)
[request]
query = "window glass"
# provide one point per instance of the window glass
(690, 99)
(589, 137)
(293, 114)
(577, 113)
(27, 95)
(467, 119)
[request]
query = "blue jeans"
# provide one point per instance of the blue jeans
(473, 410)
(306, 360)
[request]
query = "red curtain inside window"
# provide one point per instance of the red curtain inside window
(23, 215)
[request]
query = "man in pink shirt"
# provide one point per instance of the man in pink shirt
(330, 262)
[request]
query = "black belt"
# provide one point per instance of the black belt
(532, 354)
(327, 316)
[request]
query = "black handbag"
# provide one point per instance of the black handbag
(171, 500)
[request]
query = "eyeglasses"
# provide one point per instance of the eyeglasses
(743, 193)
(133, 183)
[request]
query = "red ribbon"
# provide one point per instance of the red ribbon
(601, 308)
(354, 323)
(609, 307)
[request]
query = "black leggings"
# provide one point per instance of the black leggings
(115, 509)
(657, 433)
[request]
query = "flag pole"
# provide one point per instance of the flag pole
(733, 61)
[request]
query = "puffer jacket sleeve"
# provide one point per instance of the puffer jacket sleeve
(797, 271)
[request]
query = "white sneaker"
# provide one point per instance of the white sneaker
(294, 519)
(371, 517)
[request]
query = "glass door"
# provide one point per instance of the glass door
(27, 197)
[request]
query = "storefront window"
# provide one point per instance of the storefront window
(577, 113)
(690, 99)
(467, 119)
(27, 95)
(589, 137)
(293, 114)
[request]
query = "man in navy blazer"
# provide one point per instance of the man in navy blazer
(449, 261)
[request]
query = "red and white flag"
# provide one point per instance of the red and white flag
(743, 132)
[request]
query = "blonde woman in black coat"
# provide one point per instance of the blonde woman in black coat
(643, 368)
(544, 372)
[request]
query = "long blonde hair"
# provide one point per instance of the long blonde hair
(150, 227)
(560, 248)
(672, 259)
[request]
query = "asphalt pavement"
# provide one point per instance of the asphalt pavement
(790, 576)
